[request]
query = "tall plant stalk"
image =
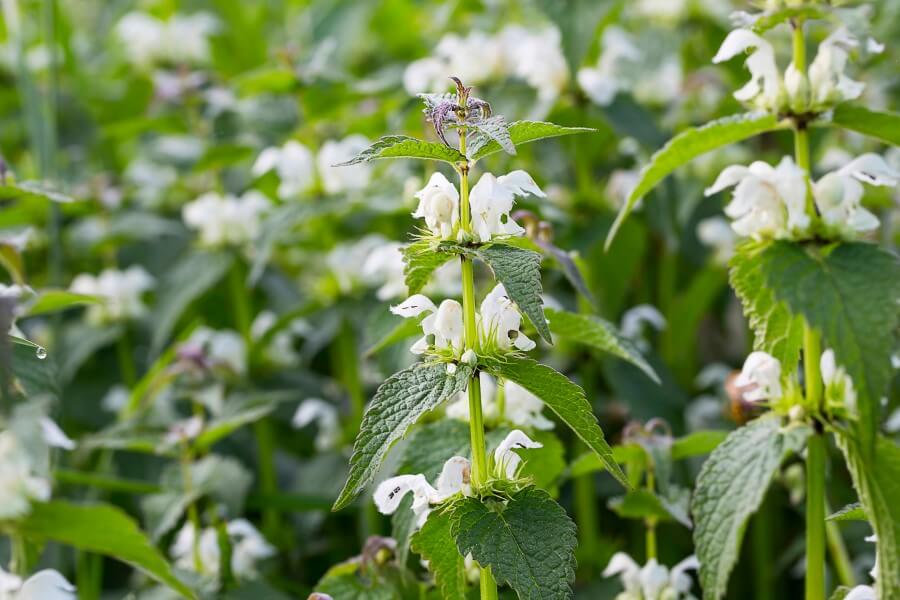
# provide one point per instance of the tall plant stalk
(476, 417)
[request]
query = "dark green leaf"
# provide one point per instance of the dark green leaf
(598, 334)
(399, 402)
(420, 260)
(522, 132)
(519, 271)
(491, 130)
(528, 542)
(401, 146)
(884, 126)
(34, 369)
(49, 301)
(435, 544)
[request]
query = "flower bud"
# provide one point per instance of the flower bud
(451, 368)
(463, 237)
(797, 86)
(469, 357)
(796, 413)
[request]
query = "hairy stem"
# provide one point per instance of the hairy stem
(815, 517)
(476, 418)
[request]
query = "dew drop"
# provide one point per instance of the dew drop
(41, 352)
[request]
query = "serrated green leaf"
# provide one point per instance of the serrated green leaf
(639, 504)
(398, 403)
(599, 334)
(420, 260)
(877, 482)
(564, 398)
(884, 126)
(345, 582)
(184, 283)
(528, 542)
(102, 529)
(851, 294)
(519, 271)
(435, 544)
(730, 487)
(688, 145)
(775, 329)
(493, 129)
(851, 512)
(402, 146)
(523, 132)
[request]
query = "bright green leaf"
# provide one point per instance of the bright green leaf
(851, 512)
(598, 334)
(405, 329)
(884, 126)
(688, 145)
(522, 132)
(401, 146)
(102, 529)
(697, 443)
(421, 259)
(730, 487)
(49, 301)
(398, 403)
(33, 189)
(528, 542)
(564, 398)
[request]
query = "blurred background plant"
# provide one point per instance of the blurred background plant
(206, 296)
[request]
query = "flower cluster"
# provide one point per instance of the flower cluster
(248, 547)
(454, 479)
(823, 87)
(653, 581)
(119, 293)
(498, 324)
(519, 406)
(771, 202)
(762, 380)
(226, 220)
(490, 202)
(180, 39)
(534, 56)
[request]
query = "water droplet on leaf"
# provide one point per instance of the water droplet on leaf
(41, 352)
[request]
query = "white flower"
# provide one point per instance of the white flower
(603, 82)
(184, 430)
(492, 198)
(248, 547)
(385, 264)
(325, 416)
(19, 485)
(343, 179)
(439, 206)
(182, 39)
(716, 233)
(425, 75)
(347, 261)
(500, 320)
(761, 376)
(765, 87)
(635, 318)
(652, 581)
(861, 592)
(827, 81)
(536, 57)
(226, 220)
(223, 349)
(54, 436)
(444, 323)
(523, 408)
(454, 479)
(43, 585)
(839, 388)
(120, 292)
(506, 459)
(767, 202)
(838, 194)
(475, 58)
(294, 164)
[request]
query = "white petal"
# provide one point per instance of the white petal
(390, 492)
(54, 436)
(506, 457)
(266, 161)
(738, 41)
(46, 585)
(827, 366)
(414, 306)
(861, 592)
(872, 169)
(730, 176)
(620, 563)
(521, 183)
(523, 343)
(454, 478)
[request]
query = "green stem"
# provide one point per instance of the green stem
(812, 378)
(240, 302)
(761, 543)
(476, 418)
(815, 517)
(268, 479)
(651, 521)
(588, 522)
(126, 360)
(193, 514)
(838, 551)
(347, 367)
